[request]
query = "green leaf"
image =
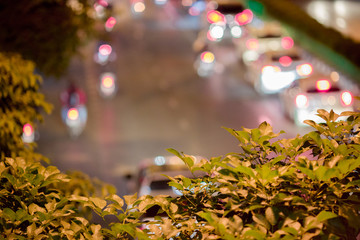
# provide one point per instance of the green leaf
(271, 216)
(245, 170)
(10, 214)
(130, 199)
(324, 173)
(119, 228)
(325, 215)
(257, 234)
(119, 202)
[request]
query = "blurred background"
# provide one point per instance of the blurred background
(172, 73)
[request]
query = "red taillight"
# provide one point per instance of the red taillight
(73, 114)
(252, 44)
(105, 49)
(301, 101)
(214, 16)
(110, 23)
(304, 69)
(287, 42)
(285, 61)
(28, 129)
(107, 81)
(346, 98)
(207, 57)
(244, 17)
(323, 85)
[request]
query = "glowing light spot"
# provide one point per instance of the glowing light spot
(105, 49)
(346, 98)
(159, 160)
(139, 7)
(107, 82)
(323, 85)
(304, 69)
(110, 23)
(214, 16)
(252, 44)
(207, 57)
(285, 61)
(28, 129)
(236, 31)
(244, 17)
(287, 42)
(301, 101)
(335, 76)
(73, 114)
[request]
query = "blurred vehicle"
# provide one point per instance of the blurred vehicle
(274, 71)
(151, 179)
(104, 53)
(73, 110)
(205, 64)
(319, 91)
(226, 19)
(107, 85)
(269, 36)
(29, 134)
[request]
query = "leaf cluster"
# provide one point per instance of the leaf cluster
(301, 188)
(20, 103)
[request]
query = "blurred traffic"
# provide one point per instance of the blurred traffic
(171, 73)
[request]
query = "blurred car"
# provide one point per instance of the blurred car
(269, 36)
(226, 19)
(274, 71)
(151, 179)
(320, 91)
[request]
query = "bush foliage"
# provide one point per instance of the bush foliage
(300, 188)
(21, 102)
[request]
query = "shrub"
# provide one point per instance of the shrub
(301, 188)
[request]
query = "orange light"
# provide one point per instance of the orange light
(287, 42)
(207, 57)
(252, 44)
(27, 129)
(214, 16)
(107, 81)
(304, 69)
(301, 101)
(285, 61)
(346, 98)
(323, 85)
(244, 17)
(105, 49)
(73, 114)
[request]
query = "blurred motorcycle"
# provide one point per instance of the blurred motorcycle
(205, 64)
(75, 120)
(74, 111)
(29, 135)
(107, 85)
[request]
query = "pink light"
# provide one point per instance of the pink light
(285, 61)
